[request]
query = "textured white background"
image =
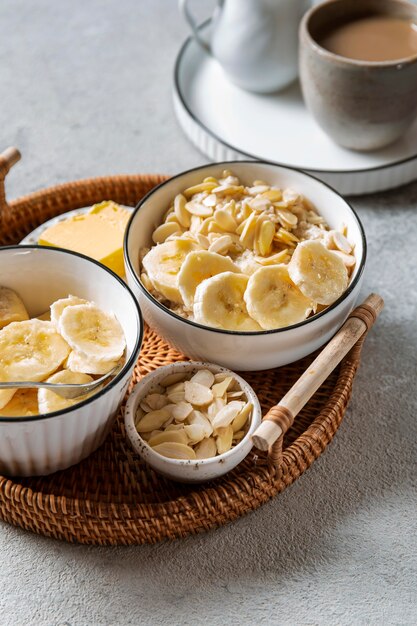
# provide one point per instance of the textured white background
(85, 89)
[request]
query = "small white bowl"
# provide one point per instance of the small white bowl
(188, 471)
(256, 350)
(43, 444)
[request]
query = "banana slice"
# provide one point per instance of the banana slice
(49, 401)
(273, 300)
(219, 302)
(198, 266)
(30, 350)
(92, 332)
(12, 308)
(319, 273)
(58, 307)
(162, 264)
(78, 362)
(23, 404)
(6, 395)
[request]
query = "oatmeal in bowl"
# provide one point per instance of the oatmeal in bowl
(248, 264)
(245, 257)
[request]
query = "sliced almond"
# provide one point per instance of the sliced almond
(224, 439)
(225, 220)
(181, 411)
(172, 379)
(175, 427)
(204, 377)
(257, 189)
(215, 407)
(177, 436)
(232, 395)
(197, 394)
(203, 241)
(206, 449)
(273, 194)
(152, 420)
(289, 196)
(341, 242)
(219, 389)
(227, 414)
(181, 212)
(176, 397)
(228, 190)
(195, 432)
(206, 186)
(175, 450)
(200, 210)
(221, 245)
(163, 231)
(265, 237)
(210, 200)
(242, 417)
(195, 224)
(145, 406)
(197, 417)
(156, 401)
(287, 219)
(179, 386)
(238, 436)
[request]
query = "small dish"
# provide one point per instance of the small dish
(188, 471)
(237, 350)
(42, 444)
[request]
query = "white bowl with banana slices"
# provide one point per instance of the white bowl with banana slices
(247, 264)
(64, 318)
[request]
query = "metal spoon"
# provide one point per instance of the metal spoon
(66, 390)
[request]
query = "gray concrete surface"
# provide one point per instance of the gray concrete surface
(85, 90)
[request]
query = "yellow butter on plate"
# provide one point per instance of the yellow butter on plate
(97, 234)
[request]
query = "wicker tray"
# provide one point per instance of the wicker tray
(113, 497)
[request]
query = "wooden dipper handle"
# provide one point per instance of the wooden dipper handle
(8, 158)
(280, 417)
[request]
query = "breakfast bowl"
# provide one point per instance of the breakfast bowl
(189, 470)
(237, 349)
(41, 444)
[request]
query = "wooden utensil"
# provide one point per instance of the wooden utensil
(279, 418)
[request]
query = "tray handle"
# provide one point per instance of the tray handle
(8, 158)
(270, 434)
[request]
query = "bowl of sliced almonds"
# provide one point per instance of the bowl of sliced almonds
(192, 421)
(246, 264)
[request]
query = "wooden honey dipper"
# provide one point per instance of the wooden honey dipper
(269, 434)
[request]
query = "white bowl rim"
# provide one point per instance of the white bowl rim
(133, 357)
(190, 462)
(251, 333)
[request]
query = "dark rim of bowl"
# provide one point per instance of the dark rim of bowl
(312, 172)
(305, 31)
(132, 359)
(238, 332)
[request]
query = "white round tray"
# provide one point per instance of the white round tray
(227, 123)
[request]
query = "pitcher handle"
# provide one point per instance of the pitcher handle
(195, 28)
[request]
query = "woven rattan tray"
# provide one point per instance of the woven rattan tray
(113, 497)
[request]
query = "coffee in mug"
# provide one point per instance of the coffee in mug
(374, 38)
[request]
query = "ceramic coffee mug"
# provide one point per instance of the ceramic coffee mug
(361, 105)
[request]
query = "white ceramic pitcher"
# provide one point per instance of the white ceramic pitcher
(255, 41)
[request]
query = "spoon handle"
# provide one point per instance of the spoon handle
(279, 418)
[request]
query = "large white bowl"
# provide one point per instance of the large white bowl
(46, 443)
(244, 350)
